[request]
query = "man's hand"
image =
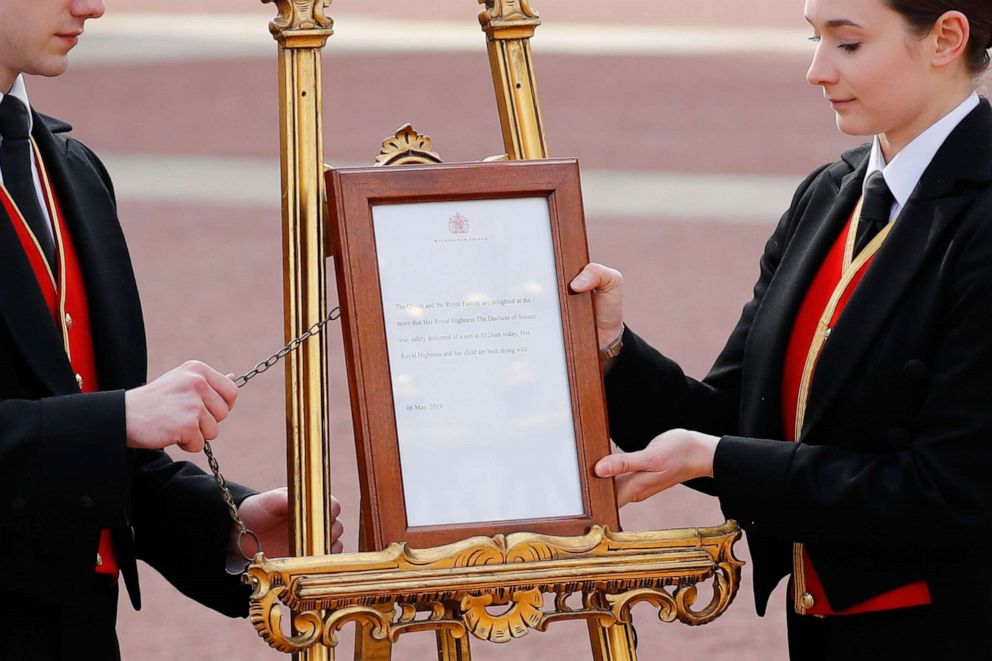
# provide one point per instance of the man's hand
(182, 407)
(606, 285)
(671, 458)
(267, 515)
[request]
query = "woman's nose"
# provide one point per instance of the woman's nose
(821, 71)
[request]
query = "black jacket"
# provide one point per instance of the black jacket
(65, 472)
(891, 481)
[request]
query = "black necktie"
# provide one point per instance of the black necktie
(875, 210)
(15, 164)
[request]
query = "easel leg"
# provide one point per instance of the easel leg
(613, 643)
(367, 648)
(450, 648)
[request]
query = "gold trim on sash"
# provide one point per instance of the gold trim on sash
(851, 267)
(56, 220)
(34, 238)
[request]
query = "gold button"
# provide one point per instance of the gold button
(79, 381)
(68, 320)
(99, 560)
(807, 601)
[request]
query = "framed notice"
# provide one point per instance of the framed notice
(474, 371)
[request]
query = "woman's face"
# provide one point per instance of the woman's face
(873, 70)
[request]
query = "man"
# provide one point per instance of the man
(85, 487)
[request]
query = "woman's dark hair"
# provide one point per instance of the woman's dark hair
(922, 14)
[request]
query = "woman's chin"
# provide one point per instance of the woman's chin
(851, 126)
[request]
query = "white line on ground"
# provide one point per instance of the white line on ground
(145, 38)
(608, 194)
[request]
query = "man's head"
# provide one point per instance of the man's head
(37, 35)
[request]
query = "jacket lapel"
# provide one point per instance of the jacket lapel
(943, 194)
(91, 215)
(769, 336)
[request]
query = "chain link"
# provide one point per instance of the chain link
(241, 381)
(271, 361)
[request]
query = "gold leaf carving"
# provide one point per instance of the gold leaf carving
(405, 147)
(528, 547)
(451, 588)
(679, 606)
(524, 613)
(300, 15)
(265, 614)
(508, 9)
(378, 621)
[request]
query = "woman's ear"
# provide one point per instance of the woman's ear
(949, 36)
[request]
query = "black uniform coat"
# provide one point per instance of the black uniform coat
(65, 472)
(892, 480)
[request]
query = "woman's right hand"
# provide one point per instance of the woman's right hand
(606, 285)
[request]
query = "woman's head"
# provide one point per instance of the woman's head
(921, 15)
(894, 67)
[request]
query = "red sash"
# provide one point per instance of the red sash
(65, 295)
(804, 345)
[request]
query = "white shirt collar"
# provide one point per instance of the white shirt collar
(905, 170)
(19, 91)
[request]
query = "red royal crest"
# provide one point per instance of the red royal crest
(458, 224)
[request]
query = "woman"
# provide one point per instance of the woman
(847, 424)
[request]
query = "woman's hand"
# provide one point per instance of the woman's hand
(671, 458)
(606, 285)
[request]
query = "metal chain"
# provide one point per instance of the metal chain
(241, 381)
(269, 362)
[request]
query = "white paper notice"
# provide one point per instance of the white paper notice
(477, 359)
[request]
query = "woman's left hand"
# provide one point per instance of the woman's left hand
(671, 458)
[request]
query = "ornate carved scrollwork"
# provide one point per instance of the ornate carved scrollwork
(679, 605)
(508, 19)
(507, 10)
(525, 613)
(378, 621)
(300, 15)
(458, 585)
(407, 146)
(265, 614)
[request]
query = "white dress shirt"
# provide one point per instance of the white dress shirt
(905, 170)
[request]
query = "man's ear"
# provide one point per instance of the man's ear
(949, 36)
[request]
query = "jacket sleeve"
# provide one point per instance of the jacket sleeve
(182, 528)
(648, 393)
(62, 454)
(934, 489)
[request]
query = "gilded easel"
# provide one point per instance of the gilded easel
(446, 589)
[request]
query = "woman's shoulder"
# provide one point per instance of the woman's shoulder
(828, 178)
(834, 172)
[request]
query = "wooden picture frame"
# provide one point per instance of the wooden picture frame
(381, 219)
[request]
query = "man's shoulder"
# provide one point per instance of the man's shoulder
(54, 124)
(55, 141)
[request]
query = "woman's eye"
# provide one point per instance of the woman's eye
(815, 39)
(850, 48)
